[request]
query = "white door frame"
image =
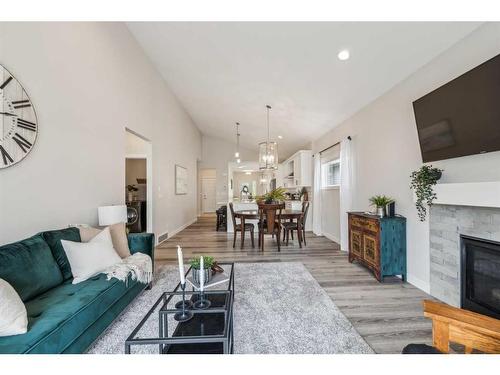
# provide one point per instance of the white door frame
(149, 178)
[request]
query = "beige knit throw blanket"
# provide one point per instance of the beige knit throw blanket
(138, 266)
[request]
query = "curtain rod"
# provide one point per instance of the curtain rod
(335, 144)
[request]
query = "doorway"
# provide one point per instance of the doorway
(208, 191)
(208, 195)
(138, 182)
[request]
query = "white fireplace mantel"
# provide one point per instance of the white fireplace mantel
(478, 194)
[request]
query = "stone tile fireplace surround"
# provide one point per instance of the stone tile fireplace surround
(447, 223)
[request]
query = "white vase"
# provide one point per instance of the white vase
(381, 211)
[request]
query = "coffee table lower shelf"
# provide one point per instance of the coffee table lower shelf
(214, 324)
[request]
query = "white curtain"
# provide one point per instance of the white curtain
(317, 196)
(347, 175)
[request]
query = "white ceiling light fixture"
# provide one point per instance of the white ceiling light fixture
(280, 137)
(344, 55)
(268, 151)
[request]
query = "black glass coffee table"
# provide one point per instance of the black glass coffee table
(209, 331)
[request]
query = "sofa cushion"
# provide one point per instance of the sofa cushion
(118, 236)
(13, 314)
(61, 315)
(54, 238)
(29, 266)
(91, 258)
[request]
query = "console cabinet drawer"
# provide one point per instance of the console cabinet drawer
(358, 222)
(364, 223)
(371, 225)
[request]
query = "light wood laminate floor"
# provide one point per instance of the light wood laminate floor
(388, 315)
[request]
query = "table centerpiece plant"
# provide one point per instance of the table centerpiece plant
(274, 196)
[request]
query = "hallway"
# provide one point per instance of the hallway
(388, 316)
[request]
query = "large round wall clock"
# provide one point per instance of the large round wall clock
(18, 124)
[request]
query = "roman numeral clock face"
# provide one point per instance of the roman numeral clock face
(18, 124)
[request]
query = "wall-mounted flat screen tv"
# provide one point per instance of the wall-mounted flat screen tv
(463, 116)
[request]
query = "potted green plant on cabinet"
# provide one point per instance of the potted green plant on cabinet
(422, 182)
(381, 202)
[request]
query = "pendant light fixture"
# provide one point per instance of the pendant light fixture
(237, 153)
(268, 151)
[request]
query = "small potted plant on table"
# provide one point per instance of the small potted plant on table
(208, 262)
(381, 202)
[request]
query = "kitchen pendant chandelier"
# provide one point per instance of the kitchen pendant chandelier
(268, 151)
(237, 153)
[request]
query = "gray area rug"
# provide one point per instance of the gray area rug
(279, 308)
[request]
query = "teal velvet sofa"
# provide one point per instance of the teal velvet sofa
(62, 317)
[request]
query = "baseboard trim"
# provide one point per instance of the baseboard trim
(177, 230)
(331, 237)
(419, 283)
(182, 227)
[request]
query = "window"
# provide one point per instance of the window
(330, 174)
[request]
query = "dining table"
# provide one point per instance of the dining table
(286, 214)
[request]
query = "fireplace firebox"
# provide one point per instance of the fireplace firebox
(480, 276)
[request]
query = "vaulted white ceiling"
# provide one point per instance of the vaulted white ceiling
(228, 72)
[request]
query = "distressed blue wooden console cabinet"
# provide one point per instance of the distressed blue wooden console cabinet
(378, 243)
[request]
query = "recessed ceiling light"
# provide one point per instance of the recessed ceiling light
(248, 172)
(343, 55)
(280, 137)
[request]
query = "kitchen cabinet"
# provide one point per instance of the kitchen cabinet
(297, 170)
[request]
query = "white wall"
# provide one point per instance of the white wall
(387, 144)
(217, 153)
(88, 81)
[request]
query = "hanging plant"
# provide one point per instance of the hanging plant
(422, 182)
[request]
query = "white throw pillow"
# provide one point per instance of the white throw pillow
(118, 236)
(13, 315)
(90, 258)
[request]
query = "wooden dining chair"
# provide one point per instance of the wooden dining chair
(300, 225)
(270, 222)
(238, 228)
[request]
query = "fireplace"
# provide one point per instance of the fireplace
(480, 276)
